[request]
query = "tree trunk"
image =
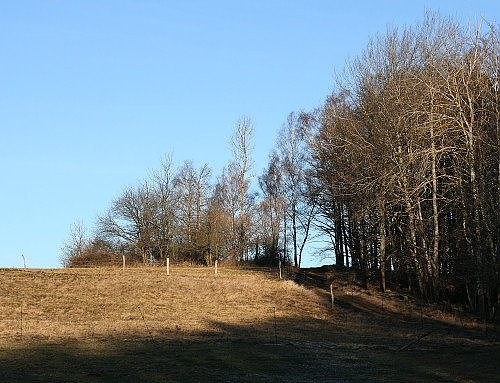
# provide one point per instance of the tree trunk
(497, 222)
(344, 235)
(306, 232)
(411, 224)
(285, 235)
(363, 256)
(382, 245)
(434, 269)
(294, 235)
(339, 243)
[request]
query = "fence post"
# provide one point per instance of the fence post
(123, 261)
(216, 267)
(168, 266)
(21, 319)
(331, 293)
(280, 268)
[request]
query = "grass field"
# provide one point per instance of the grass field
(142, 325)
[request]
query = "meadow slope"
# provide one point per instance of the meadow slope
(140, 324)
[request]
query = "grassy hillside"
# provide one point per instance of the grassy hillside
(94, 325)
(76, 303)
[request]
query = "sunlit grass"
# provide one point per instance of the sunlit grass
(144, 301)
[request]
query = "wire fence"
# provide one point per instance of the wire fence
(181, 301)
(280, 270)
(144, 323)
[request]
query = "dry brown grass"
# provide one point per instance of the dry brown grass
(140, 324)
(82, 303)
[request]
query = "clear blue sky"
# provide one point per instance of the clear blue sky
(93, 94)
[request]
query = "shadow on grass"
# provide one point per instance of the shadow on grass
(288, 350)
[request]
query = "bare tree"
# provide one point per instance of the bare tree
(223, 209)
(164, 222)
(241, 146)
(76, 245)
(405, 148)
(271, 212)
(192, 191)
(130, 219)
(293, 161)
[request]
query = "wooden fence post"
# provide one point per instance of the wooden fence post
(331, 293)
(168, 266)
(216, 267)
(123, 261)
(21, 319)
(280, 268)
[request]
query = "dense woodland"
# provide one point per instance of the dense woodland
(399, 170)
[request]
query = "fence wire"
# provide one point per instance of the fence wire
(100, 302)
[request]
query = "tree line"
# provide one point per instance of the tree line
(181, 214)
(399, 170)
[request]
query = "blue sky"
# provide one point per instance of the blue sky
(93, 94)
